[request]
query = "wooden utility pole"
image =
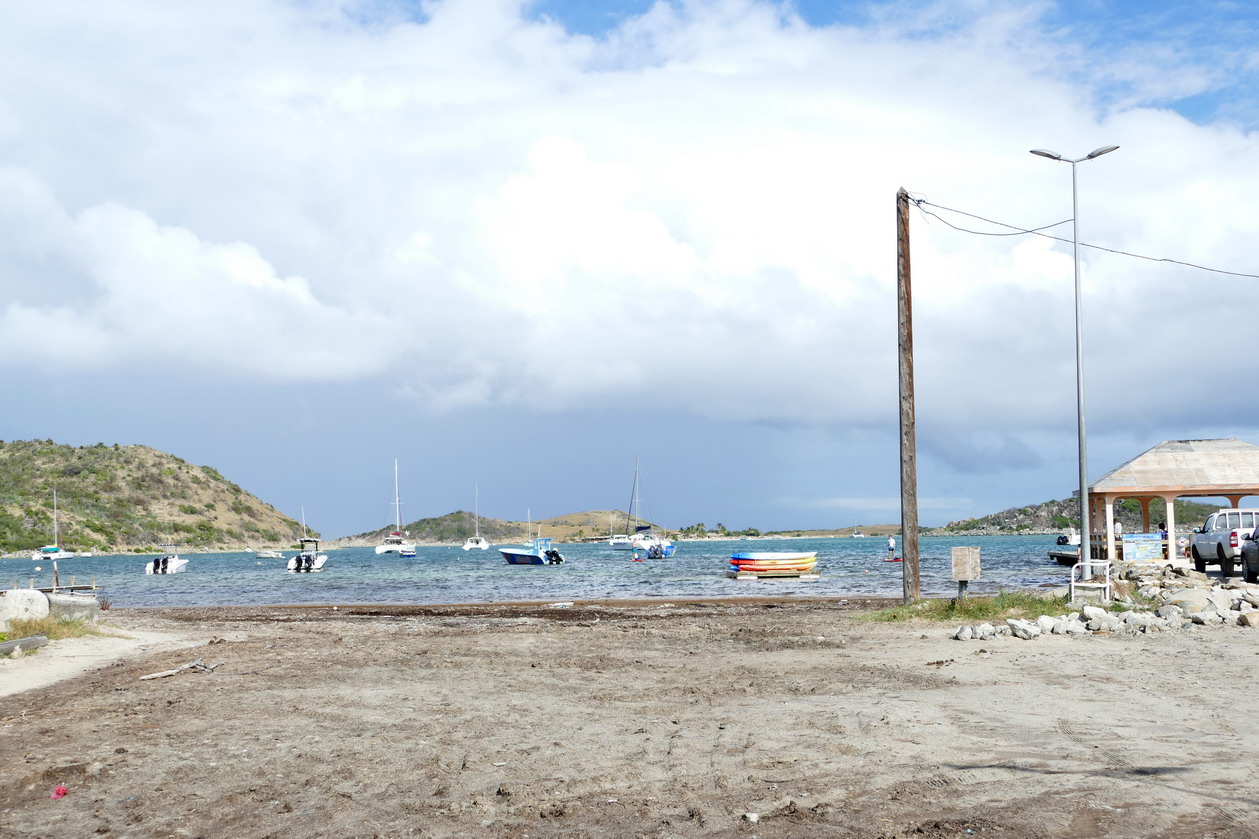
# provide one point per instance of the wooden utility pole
(909, 448)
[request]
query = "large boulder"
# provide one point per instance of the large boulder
(1190, 600)
(22, 604)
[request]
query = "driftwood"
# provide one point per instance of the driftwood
(30, 643)
(198, 665)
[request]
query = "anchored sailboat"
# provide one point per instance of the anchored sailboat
(53, 551)
(478, 541)
(642, 537)
(395, 543)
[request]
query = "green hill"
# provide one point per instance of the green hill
(123, 498)
(454, 528)
(1057, 516)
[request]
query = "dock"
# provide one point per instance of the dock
(1065, 557)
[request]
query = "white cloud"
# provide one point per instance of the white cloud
(697, 210)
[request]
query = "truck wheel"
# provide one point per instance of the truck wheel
(1199, 564)
(1250, 574)
(1226, 567)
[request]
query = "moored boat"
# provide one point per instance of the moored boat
(395, 542)
(53, 551)
(168, 563)
(537, 552)
(477, 541)
(309, 558)
(640, 538)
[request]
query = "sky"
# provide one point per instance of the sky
(516, 246)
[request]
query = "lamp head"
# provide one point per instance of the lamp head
(1099, 152)
(1052, 155)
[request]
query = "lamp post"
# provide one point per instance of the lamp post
(1086, 552)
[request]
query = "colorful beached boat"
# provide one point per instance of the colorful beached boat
(754, 564)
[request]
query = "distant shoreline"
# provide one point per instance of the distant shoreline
(933, 533)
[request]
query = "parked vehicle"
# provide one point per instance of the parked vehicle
(1250, 558)
(1220, 539)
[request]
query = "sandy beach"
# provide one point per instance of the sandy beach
(741, 718)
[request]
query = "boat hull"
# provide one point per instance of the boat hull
(166, 565)
(304, 564)
(537, 552)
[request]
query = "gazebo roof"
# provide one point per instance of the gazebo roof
(1188, 467)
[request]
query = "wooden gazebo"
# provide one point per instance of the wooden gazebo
(1173, 469)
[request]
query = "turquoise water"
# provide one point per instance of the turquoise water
(451, 575)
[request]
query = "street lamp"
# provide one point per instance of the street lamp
(1086, 552)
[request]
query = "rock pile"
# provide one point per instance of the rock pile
(1185, 599)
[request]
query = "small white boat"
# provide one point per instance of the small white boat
(267, 553)
(1071, 537)
(477, 542)
(308, 559)
(653, 545)
(395, 542)
(166, 564)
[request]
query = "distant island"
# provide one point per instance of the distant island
(1051, 517)
(124, 499)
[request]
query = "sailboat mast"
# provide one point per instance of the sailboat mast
(397, 500)
(56, 525)
(635, 495)
(476, 508)
(633, 504)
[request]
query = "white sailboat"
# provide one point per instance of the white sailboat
(640, 537)
(395, 542)
(478, 541)
(53, 551)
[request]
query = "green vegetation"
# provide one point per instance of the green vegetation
(55, 628)
(1007, 604)
(125, 498)
(1057, 516)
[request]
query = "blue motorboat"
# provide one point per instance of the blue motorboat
(537, 552)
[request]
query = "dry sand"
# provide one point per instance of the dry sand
(688, 719)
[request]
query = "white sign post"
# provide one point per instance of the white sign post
(965, 568)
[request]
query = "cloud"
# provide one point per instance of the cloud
(694, 209)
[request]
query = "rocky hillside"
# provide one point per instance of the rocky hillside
(122, 498)
(453, 528)
(1057, 516)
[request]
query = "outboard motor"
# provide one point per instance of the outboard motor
(165, 563)
(157, 564)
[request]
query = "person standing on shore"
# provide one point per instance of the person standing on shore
(891, 547)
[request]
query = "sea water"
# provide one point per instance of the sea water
(436, 575)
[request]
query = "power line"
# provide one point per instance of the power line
(920, 203)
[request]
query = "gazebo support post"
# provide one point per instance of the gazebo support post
(1171, 526)
(1109, 525)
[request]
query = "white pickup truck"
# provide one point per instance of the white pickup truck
(1220, 539)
